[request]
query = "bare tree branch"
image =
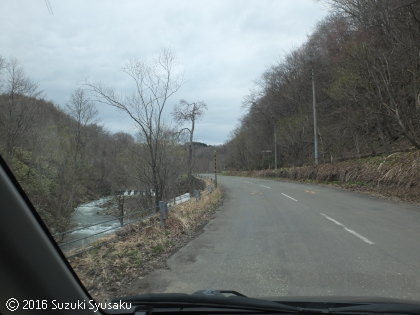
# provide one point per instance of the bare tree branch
(154, 85)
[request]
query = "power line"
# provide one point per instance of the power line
(49, 7)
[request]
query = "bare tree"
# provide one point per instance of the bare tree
(2, 65)
(189, 112)
(154, 85)
(16, 116)
(84, 112)
(72, 167)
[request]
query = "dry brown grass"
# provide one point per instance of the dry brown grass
(143, 246)
(392, 175)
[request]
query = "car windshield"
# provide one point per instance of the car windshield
(263, 146)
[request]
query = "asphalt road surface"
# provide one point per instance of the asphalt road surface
(273, 238)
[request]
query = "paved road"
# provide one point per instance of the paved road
(278, 238)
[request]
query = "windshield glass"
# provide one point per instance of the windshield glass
(262, 146)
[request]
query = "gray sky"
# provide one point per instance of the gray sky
(223, 46)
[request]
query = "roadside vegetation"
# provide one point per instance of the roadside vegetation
(395, 175)
(132, 204)
(111, 270)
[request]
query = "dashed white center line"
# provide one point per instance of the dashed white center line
(364, 239)
(332, 220)
(289, 197)
(261, 185)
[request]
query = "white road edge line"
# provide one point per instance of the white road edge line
(289, 197)
(265, 186)
(364, 239)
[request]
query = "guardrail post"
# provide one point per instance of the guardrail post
(197, 194)
(120, 199)
(163, 211)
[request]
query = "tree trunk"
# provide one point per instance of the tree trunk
(406, 133)
(190, 159)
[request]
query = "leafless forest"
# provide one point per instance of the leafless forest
(365, 57)
(62, 156)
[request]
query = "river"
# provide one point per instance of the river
(86, 221)
(83, 217)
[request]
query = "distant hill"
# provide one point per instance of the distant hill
(200, 144)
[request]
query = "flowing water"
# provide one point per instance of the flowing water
(88, 217)
(89, 224)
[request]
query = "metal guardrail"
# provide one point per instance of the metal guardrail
(99, 223)
(90, 247)
(144, 212)
(101, 232)
(163, 215)
(163, 212)
(147, 214)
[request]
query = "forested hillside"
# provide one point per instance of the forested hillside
(62, 156)
(58, 163)
(365, 60)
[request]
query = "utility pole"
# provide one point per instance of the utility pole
(215, 169)
(315, 123)
(275, 147)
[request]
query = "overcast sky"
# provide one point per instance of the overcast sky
(223, 46)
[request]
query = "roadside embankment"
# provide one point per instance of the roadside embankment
(395, 175)
(139, 248)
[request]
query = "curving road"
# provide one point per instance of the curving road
(275, 238)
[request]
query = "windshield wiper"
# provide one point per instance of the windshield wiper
(200, 300)
(215, 300)
(381, 308)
